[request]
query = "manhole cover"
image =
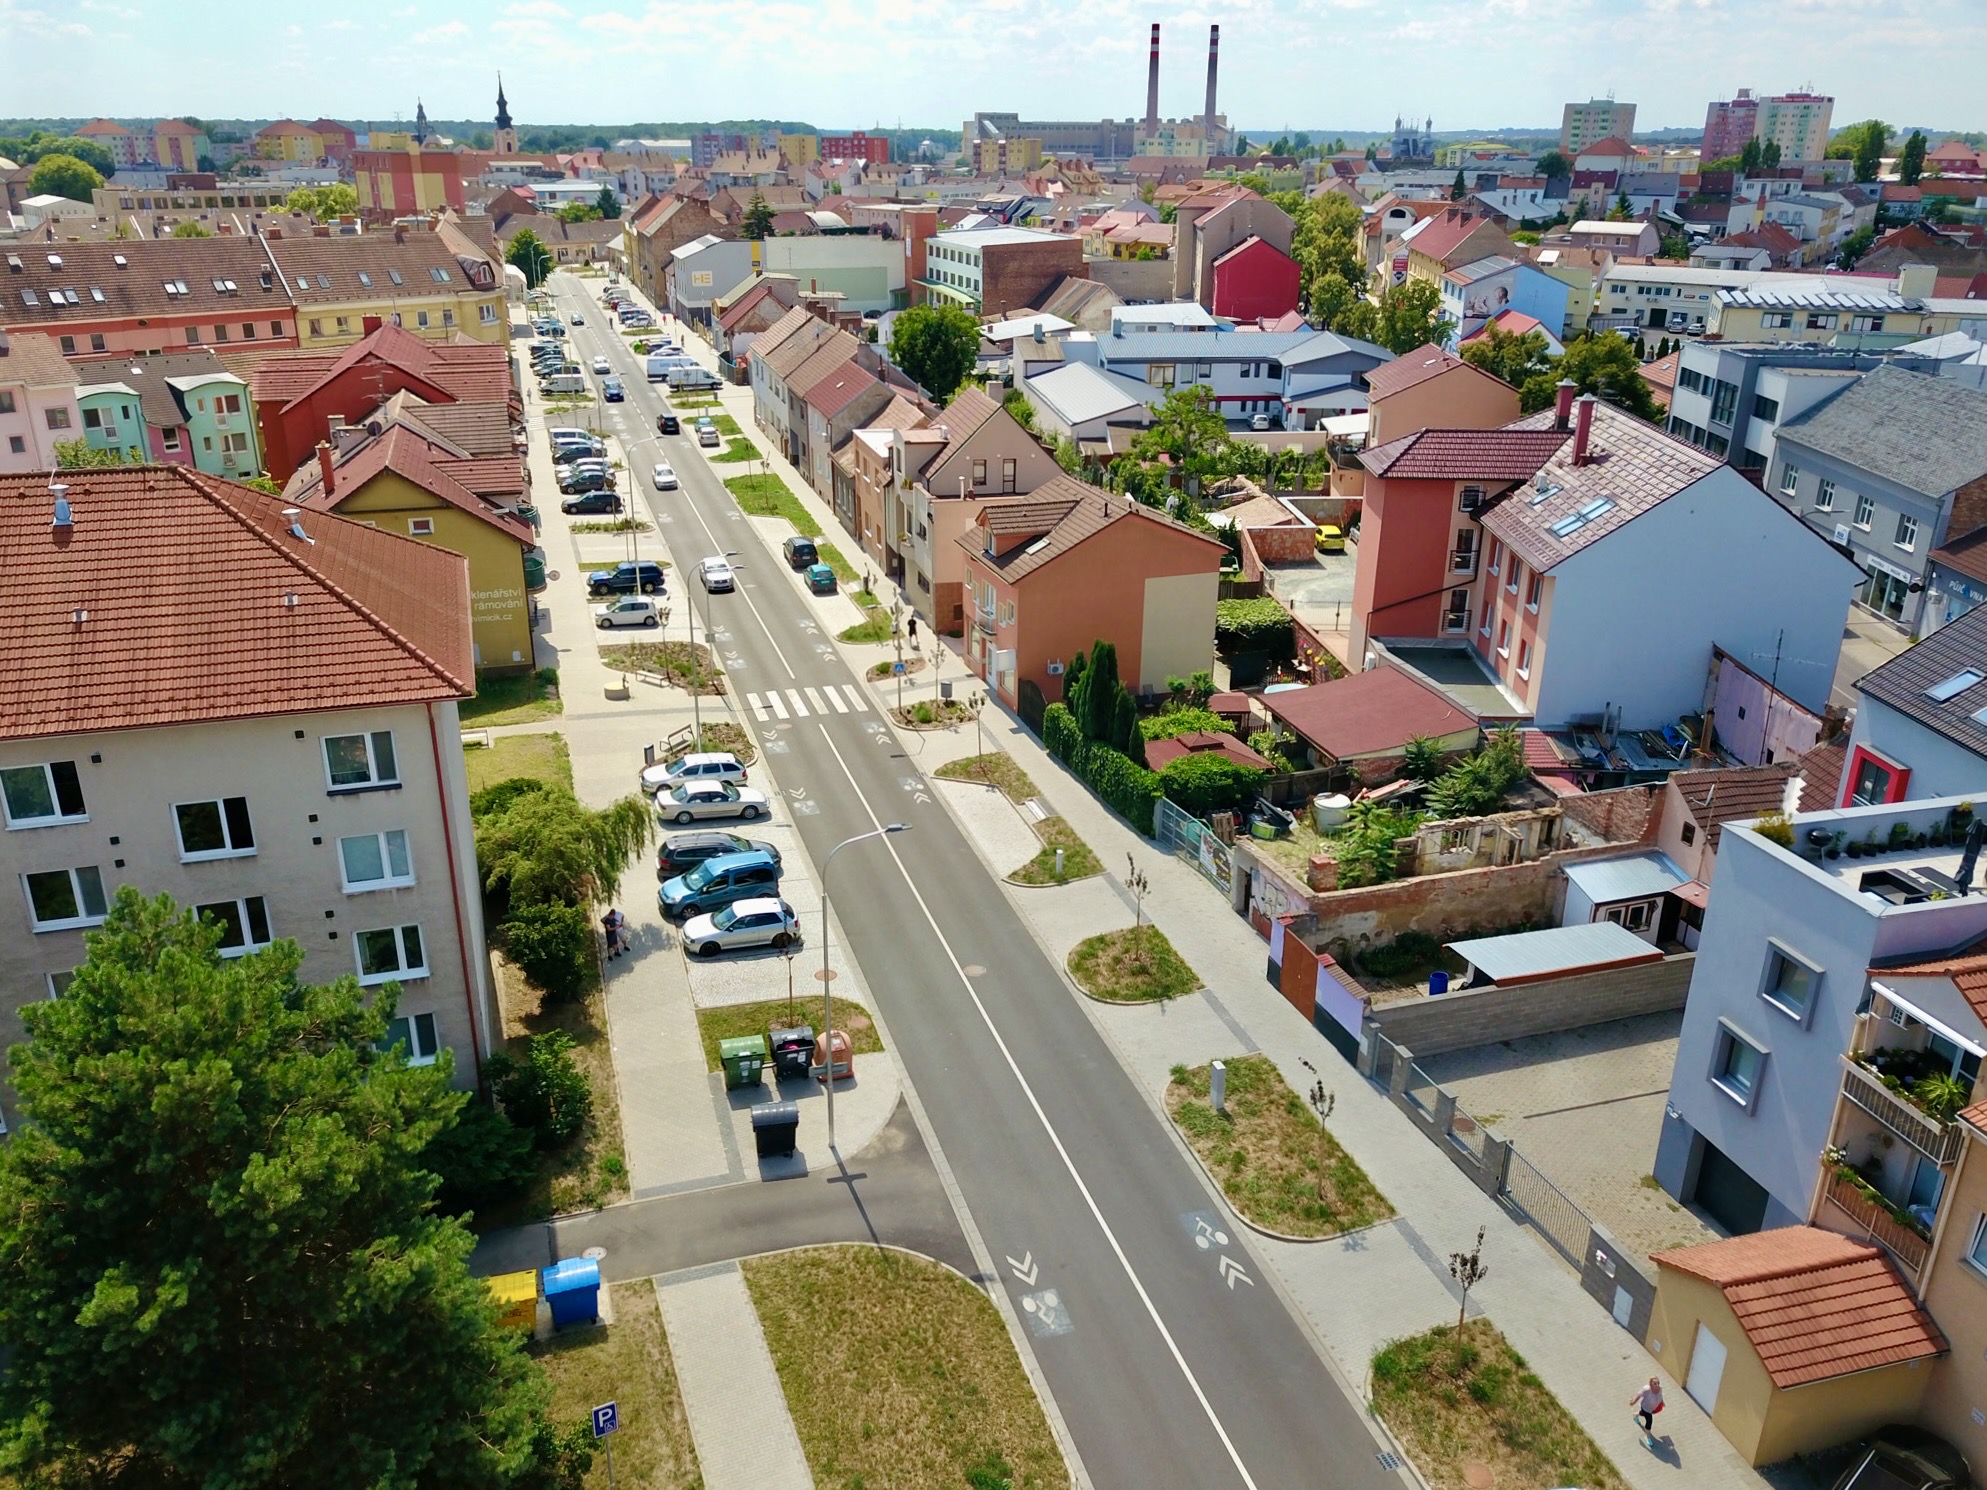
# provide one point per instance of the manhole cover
(825, 975)
(974, 970)
(594, 1254)
(1479, 1476)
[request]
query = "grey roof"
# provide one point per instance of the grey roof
(1955, 648)
(1079, 392)
(1636, 877)
(1235, 346)
(1926, 434)
(1823, 296)
(1476, 269)
(1525, 955)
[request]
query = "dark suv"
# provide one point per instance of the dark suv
(800, 552)
(667, 424)
(681, 852)
(626, 578)
(593, 501)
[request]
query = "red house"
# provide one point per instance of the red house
(297, 395)
(1254, 279)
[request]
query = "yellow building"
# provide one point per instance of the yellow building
(436, 283)
(1956, 1294)
(288, 140)
(1870, 316)
(1001, 157)
(407, 482)
(1451, 156)
(1792, 1340)
(801, 151)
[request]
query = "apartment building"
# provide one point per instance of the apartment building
(1585, 124)
(1797, 123)
(38, 404)
(1730, 397)
(1729, 124)
(306, 785)
(991, 271)
(1919, 730)
(177, 408)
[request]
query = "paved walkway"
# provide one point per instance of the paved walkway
(731, 1393)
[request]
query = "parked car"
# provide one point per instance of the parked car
(707, 435)
(799, 552)
(604, 500)
(717, 576)
(821, 579)
(1259, 423)
(667, 424)
(699, 765)
(747, 923)
(1331, 539)
(1900, 1457)
(665, 477)
(570, 454)
(633, 610)
(688, 803)
(718, 882)
(683, 851)
(602, 366)
(613, 390)
(626, 578)
(581, 477)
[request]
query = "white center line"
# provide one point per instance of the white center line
(799, 708)
(1151, 1309)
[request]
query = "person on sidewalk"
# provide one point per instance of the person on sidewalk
(913, 629)
(1647, 1403)
(612, 923)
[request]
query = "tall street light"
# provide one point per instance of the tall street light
(827, 977)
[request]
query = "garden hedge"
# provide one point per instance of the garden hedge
(1126, 787)
(1259, 625)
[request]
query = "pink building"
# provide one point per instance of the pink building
(1727, 126)
(37, 401)
(177, 145)
(122, 144)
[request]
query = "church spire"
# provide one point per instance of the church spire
(503, 108)
(505, 140)
(420, 122)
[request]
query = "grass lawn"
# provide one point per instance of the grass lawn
(875, 629)
(1078, 862)
(731, 1021)
(627, 1363)
(1131, 966)
(767, 496)
(618, 525)
(669, 658)
(916, 1385)
(845, 572)
(1267, 1153)
(727, 426)
(738, 449)
(996, 768)
(542, 756)
(1463, 1399)
(731, 738)
(512, 698)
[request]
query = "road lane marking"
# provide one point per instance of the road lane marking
(834, 698)
(758, 708)
(856, 698)
(815, 699)
(799, 708)
(1055, 1138)
(764, 629)
(779, 708)
(1027, 1270)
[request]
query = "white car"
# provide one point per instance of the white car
(764, 922)
(694, 800)
(716, 575)
(665, 476)
(699, 767)
(630, 610)
(602, 366)
(1259, 423)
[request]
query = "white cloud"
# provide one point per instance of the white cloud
(446, 31)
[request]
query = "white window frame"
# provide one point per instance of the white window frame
(1825, 495)
(246, 919)
(374, 780)
(421, 527)
(1973, 1258)
(1729, 1036)
(1535, 592)
(383, 840)
(403, 971)
(58, 817)
(1866, 511)
(68, 923)
(1907, 532)
(1524, 658)
(420, 1051)
(231, 849)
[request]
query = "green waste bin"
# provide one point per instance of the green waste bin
(743, 1059)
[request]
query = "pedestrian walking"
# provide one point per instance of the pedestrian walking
(613, 923)
(1647, 1402)
(912, 626)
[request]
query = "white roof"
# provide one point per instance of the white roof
(996, 237)
(1636, 877)
(1079, 392)
(1026, 326)
(1954, 346)
(696, 246)
(1525, 955)
(1589, 225)
(1180, 314)
(1346, 425)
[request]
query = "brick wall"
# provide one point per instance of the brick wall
(1014, 275)
(1457, 1021)
(1286, 543)
(1622, 815)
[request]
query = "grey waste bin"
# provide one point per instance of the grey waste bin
(774, 1125)
(793, 1052)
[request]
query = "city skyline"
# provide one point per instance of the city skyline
(820, 62)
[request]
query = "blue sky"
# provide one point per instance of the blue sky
(1346, 64)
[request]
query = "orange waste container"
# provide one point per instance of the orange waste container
(834, 1048)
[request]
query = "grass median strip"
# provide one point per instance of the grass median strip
(671, 659)
(540, 756)
(734, 1021)
(915, 1382)
(1078, 862)
(627, 1363)
(1470, 1412)
(1135, 965)
(736, 450)
(767, 496)
(995, 768)
(1275, 1163)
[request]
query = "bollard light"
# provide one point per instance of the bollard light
(1217, 1085)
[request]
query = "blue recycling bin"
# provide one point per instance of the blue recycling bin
(572, 1288)
(1438, 982)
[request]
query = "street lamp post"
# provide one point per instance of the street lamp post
(827, 977)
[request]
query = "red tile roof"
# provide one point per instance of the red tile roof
(1813, 1304)
(1371, 713)
(838, 390)
(1723, 795)
(437, 469)
(469, 371)
(1060, 514)
(1821, 777)
(1441, 236)
(1509, 454)
(1966, 969)
(379, 619)
(1161, 753)
(1411, 370)
(1612, 145)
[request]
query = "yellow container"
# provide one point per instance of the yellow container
(516, 1295)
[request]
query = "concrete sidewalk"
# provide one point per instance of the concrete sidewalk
(731, 1392)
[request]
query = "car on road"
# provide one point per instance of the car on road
(688, 803)
(717, 576)
(768, 922)
(665, 476)
(602, 366)
(626, 578)
(613, 390)
(799, 552)
(718, 882)
(633, 610)
(698, 766)
(578, 319)
(668, 424)
(1899, 1457)
(684, 851)
(604, 500)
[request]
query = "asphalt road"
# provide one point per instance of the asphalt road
(1170, 1357)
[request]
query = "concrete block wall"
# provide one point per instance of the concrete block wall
(1457, 1021)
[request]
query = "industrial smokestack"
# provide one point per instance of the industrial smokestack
(1213, 57)
(1152, 85)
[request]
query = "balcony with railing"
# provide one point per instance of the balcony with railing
(1849, 1208)
(1937, 1140)
(1462, 561)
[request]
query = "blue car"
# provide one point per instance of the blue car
(612, 391)
(718, 882)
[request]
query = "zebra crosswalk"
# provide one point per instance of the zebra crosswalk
(805, 702)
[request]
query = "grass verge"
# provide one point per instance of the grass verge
(730, 738)
(845, 572)
(512, 698)
(629, 1364)
(1078, 862)
(669, 658)
(995, 768)
(1463, 1398)
(1273, 1161)
(540, 756)
(875, 629)
(727, 426)
(737, 449)
(1134, 965)
(733, 1021)
(917, 1384)
(619, 525)
(767, 496)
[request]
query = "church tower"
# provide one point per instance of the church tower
(506, 142)
(420, 122)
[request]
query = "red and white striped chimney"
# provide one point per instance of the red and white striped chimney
(1152, 85)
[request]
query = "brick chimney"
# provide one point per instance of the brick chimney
(1583, 427)
(324, 467)
(1562, 404)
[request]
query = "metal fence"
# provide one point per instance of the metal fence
(1420, 1089)
(1186, 835)
(1547, 1207)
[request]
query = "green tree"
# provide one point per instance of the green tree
(607, 205)
(1604, 365)
(1514, 358)
(936, 346)
(325, 203)
(1854, 247)
(1863, 143)
(1911, 160)
(27, 149)
(578, 212)
(1187, 430)
(65, 176)
(77, 455)
(220, 1256)
(546, 1093)
(1407, 316)
(1674, 246)
(189, 229)
(1554, 166)
(1458, 189)
(529, 253)
(542, 846)
(1623, 209)
(1098, 715)
(757, 223)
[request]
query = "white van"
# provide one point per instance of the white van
(571, 382)
(662, 364)
(694, 377)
